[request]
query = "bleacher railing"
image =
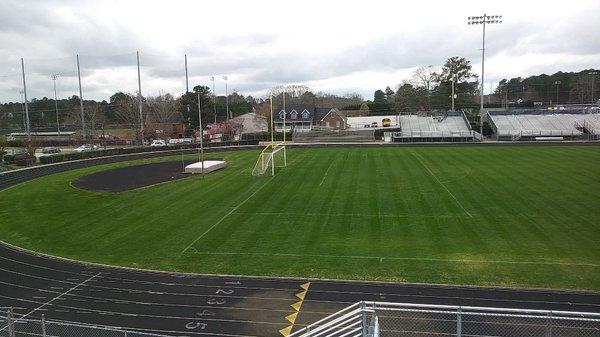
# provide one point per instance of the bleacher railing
(12, 325)
(382, 319)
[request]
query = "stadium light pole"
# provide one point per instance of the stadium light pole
(226, 97)
(593, 74)
(483, 20)
(54, 78)
(557, 83)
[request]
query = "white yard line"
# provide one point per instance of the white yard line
(227, 215)
(326, 172)
(381, 258)
(54, 299)
(439, 182)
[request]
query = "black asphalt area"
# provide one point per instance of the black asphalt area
(205, 305)
(133, 177)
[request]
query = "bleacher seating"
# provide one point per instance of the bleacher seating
(526, 124)
(451, 125)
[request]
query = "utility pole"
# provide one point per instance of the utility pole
(212, 78)
(201, 134)
(557, 83)
(226, 97)
(54, 78)
(81, 100)
(284, 115)
(490, 94)
(453, 95)
(23, 110)
(27, 125)
(137, 53)
(483, 20)
(593, 73)
(187, 85)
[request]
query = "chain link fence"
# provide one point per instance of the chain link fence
(381, 319)
(12, 325)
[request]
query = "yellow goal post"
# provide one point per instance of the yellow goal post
(273, 155)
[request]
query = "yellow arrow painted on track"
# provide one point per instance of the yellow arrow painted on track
(301, 295)
(286, 331)
(297, 305)
(305, 285)
(292, 318)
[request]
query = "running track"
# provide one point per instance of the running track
(204, 305)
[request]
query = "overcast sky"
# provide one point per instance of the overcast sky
(332, 46)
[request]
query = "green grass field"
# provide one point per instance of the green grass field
(510, 216)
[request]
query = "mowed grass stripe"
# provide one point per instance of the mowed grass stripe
(376, 214)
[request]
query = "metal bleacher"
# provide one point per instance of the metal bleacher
(451, 126)
(532, 124)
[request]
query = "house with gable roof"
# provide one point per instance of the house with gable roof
(305, 118)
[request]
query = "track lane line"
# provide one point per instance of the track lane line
(55, 298)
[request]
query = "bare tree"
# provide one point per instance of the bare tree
(92, 112)
(293, 90)
(425, 77)
(163, 108)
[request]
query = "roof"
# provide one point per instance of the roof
(251, 122)
(299, 109)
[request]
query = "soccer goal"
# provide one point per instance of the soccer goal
(272, 156)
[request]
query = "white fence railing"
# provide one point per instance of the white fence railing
(14, 325)
(382, 319)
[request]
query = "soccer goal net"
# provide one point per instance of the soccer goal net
(270, 157)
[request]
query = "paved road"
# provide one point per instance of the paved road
(203, 305)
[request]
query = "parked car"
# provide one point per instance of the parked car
(86, 147)
(367, 125)
(19, 156)
(158, 143)
(374, 125)
(50, 150)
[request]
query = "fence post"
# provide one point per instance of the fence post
(125, 333)
(458, 322)
(11, 326)
(364, 318)
(43, 326)
(549, 325)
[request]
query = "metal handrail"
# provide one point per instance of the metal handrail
(355, 318)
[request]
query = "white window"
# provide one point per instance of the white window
(293, 114)
(281, 114)
(305, 114)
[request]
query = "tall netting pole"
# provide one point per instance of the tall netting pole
(272, 124)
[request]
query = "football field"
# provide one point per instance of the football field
(509, 216)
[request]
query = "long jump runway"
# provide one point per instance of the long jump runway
(205, 305)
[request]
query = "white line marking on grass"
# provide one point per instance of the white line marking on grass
(326, 172)
(227, 215)
(53, 299)
(381, 258)
(439, 182)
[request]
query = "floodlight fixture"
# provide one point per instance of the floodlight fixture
(483, 20)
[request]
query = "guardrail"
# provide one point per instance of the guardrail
(382, 319)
